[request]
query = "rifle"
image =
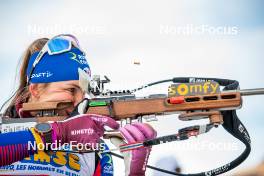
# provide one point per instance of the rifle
(192, 98)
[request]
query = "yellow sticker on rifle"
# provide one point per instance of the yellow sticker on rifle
(200, 88)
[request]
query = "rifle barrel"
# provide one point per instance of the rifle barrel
(248, 92)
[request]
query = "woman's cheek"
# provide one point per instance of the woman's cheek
(78, 99)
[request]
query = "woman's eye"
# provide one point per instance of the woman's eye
(72, 90)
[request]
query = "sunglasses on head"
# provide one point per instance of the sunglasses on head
(59, 44)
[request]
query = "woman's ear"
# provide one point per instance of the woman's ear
(34, 91)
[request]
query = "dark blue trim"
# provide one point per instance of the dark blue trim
(20, 137)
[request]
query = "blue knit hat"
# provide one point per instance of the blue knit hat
(58, 67)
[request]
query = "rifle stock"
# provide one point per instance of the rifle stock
(158, 106)
(134, 108)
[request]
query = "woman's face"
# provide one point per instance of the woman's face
(59, 91)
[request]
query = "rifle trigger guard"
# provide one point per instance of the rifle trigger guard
(215, 117)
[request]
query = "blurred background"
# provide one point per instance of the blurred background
(167, 38)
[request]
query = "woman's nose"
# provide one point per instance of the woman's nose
(78, 98)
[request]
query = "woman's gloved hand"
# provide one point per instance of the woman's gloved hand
(136, 160)
(84, 129)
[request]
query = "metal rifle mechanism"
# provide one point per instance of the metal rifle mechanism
(192, 98)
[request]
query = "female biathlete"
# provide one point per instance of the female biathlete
(56, 70)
